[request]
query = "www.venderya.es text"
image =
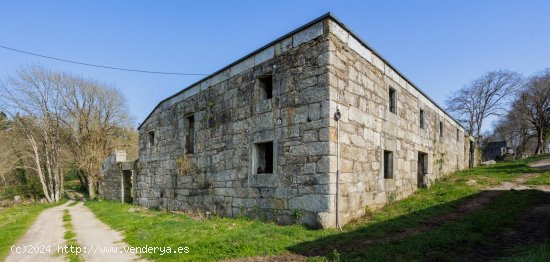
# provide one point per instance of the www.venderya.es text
(98, 249)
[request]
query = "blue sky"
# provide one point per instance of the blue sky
(439, 45)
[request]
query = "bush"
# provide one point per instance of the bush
(27, 191)
(185, 166)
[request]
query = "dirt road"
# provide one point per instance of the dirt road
(97, 240)
(541, 164)
(101, 242)
(46, 232)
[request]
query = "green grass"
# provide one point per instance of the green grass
(494, 175)
(71, 181)
(539, 180)
(440, 243)
(69, 236)
(537, 253)
(14, 222)
(224, 238)
(73, 184)
(212, 239)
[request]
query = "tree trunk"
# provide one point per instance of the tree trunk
(91, 188)
(36, 157)
(58, 187)
(83, 181)
(540, 142)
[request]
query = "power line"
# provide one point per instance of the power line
(100, 66)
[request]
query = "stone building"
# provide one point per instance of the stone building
(259, 137)
(117, 177)
(497, 151)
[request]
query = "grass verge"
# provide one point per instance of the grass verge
(14, 222)
(539, 180)
(211, 239)
(72, 250)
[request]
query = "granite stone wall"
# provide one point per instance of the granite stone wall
(203, 149)
(359, 87)
(230, 118)
(111, 180)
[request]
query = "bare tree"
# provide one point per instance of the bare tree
(34, 93)
(97, 116)
(4, 121)
(533, 105)
(6, 157)
(65, 113)
(516, 131)
(484, 97)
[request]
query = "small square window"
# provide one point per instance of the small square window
(421, 118)
(151, 138)
(266, 87)
(264, 158)
(388, 164)
(391, 98)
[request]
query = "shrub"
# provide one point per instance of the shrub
(185, 166)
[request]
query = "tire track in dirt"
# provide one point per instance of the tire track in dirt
(532, 227)
(97, 239)
(470, 205)
(100, 242)
(46, 233)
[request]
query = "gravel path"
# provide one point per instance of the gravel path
(541, 164)
(98, 241)
(47, 231)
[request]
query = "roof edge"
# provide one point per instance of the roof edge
(364, 43)
(320, 18)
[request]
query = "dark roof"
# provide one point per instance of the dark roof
(327, 15)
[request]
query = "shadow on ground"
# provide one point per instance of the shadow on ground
(481, 227)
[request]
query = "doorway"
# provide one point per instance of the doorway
(127, 192)
(422, 169)
(471, 155)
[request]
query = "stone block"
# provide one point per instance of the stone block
(313, 203)
(264, 180)
(308, 34)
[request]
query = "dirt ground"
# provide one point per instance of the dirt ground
(47, 231)
(541, 164)
(533, 227)
(518, 183)
(94, 235)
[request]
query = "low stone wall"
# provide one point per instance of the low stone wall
(111, 183)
